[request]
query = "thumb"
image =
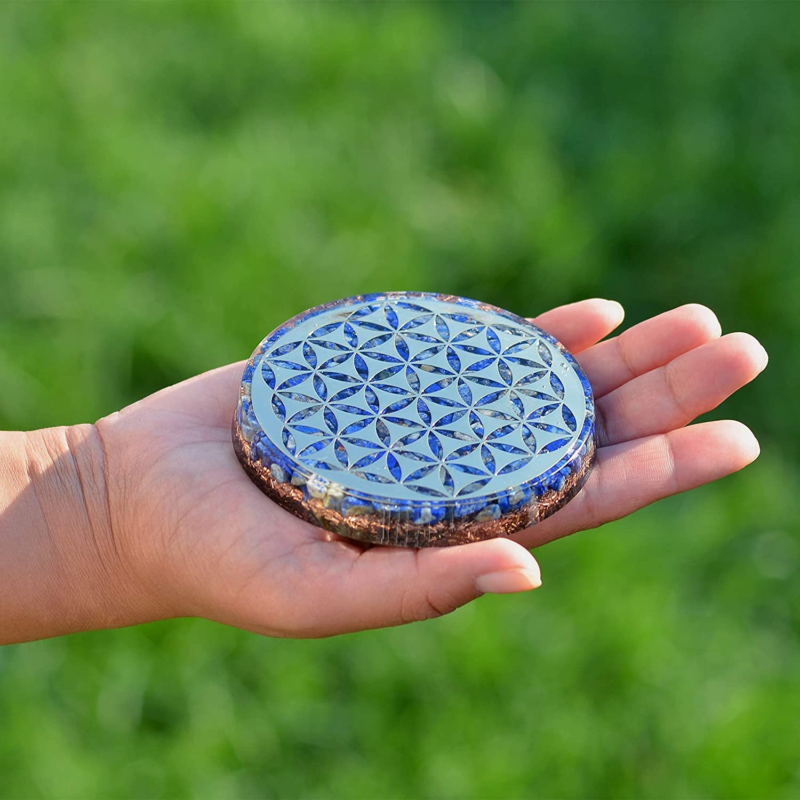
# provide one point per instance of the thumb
(392, 586)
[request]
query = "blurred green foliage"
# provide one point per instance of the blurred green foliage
(177, 179)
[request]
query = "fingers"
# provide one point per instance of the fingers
(629, 476)
(580, 325)
(673, 395)
(386, 586)
(648, 345)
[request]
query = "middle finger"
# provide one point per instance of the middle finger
(673, 395)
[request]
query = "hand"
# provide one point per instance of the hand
(193, 536)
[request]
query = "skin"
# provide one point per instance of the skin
(148, 515)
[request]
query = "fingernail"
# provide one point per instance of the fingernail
(619, 309)
(753, 447)
(508, 581)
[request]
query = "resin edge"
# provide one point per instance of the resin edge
(395, 527)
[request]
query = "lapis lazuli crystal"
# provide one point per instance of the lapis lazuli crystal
(415, 419)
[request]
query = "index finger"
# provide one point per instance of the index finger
(582, 324)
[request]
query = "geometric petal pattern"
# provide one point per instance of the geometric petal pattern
(438, 399)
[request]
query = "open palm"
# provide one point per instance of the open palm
(198, 538)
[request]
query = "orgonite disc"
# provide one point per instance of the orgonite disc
(415, 419)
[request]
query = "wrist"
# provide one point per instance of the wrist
(61, 569)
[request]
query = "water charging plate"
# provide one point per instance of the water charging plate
(415, 419)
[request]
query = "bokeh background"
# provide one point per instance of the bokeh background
(177, 179)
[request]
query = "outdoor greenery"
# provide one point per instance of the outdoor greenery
(177, 179)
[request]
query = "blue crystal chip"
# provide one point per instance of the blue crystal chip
(415, 419)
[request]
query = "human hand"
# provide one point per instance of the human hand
(193, 536)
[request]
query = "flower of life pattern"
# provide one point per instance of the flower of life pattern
(440, 400)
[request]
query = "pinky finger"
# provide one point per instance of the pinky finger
(635, 474)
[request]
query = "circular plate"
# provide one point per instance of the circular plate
(415, 419)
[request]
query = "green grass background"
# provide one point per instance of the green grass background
(177, 179)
